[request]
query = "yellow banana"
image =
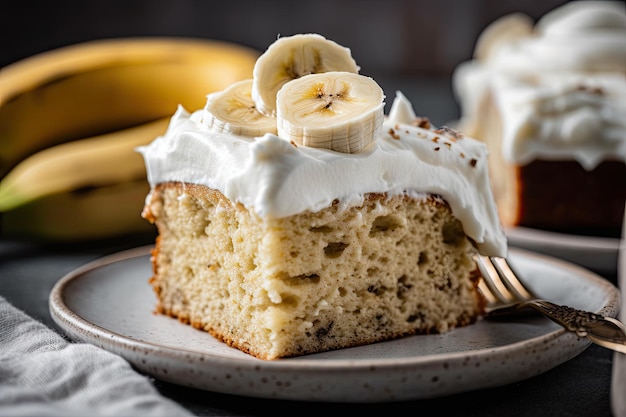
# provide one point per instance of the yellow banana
(82, 164)
(107, 212)
(102, 86)
(337, 110)
(233, 111)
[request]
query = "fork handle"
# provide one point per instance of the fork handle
(604, 331)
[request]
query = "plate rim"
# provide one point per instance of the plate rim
(596, 253)
(86, 331)
(562, 240)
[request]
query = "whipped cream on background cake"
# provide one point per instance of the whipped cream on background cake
(278, 178)
(560, 84)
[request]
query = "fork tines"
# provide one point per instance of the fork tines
(500, 284)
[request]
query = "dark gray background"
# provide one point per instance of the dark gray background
(406, 37)
(386, 36)
(407, 45)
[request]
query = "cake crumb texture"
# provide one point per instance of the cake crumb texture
(340, 277)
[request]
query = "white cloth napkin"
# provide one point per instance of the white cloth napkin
(42, 374)
(618, 379)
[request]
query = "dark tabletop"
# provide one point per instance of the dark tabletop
(579, 387)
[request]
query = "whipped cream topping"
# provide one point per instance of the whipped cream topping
(581, 35)
(561, 89)
(276, 178)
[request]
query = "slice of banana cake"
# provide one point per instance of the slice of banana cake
(294, 217)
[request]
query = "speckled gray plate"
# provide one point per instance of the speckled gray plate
(109, 303)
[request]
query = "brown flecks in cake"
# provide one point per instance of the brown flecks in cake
(295, 145)
(443, 285)
(382, 320)
(422, 258)
(435, 139)
(449, 132)
(422, 122)
(323, 332)
(591, 89)
(335, 249)
(372, 272)
(393, 134)
(373, 289)
(462, 155)
(473, 162)
(418, 316)
(377, 289)
(321, 229)
(437, 148)
(403, 286)
(448, 145)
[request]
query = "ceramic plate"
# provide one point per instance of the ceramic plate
(109, 303)
(596, 253)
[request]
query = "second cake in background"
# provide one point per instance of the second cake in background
(549, 99)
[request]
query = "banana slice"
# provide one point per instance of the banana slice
(504, 30)
(292, 57)
(233, 111)
(337, 110)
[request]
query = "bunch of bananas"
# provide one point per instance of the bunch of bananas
(70, 120)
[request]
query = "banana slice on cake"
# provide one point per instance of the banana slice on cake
(292, 57)
(233, 111)
(337, 110)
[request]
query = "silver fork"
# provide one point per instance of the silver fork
(506, 295)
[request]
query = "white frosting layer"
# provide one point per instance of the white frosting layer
(581, 35)
(561, 90)
(277, 179)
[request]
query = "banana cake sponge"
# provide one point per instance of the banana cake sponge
(312, 282)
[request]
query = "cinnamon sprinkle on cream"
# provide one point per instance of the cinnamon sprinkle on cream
(422, 122)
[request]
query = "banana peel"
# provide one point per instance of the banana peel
(102, 86)
(89, 189)
(88, 214)
(70, 119)
(87, 163)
